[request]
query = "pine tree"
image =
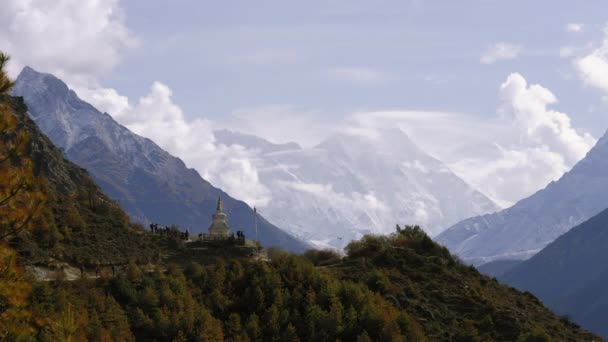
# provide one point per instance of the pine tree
(211, 329)
(20, 197)
(14, 290)
(253, 328)
(65, 328)
(5, 82)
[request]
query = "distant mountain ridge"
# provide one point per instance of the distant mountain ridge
(570, 274)
(149, 183)
(532, 223)
(350, 185)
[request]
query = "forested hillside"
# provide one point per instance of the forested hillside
(396, 288)
(74, 221)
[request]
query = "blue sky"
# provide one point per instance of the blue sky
(509, 94)
(222, 56)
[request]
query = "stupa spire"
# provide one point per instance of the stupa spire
(219, 205)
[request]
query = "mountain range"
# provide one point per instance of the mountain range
(149, 183)
(353, 184)
(531, 224)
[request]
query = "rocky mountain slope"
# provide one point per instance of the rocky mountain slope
(350, 185)
(571, 273)
(532, 223)
(149, 183)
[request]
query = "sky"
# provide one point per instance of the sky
(509, 94)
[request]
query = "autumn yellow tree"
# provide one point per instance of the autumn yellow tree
(19, 196)
(15, 319)
(5, 82)
(19, 202)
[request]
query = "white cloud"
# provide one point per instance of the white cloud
(358, 75)
(512, 174)
(81, 40)
(157, 117)
(104, 99)
(538, 124)
(77, 40)
(281, 123)
(542, 144)
(575, 27)
(501, 51)
(593, 68)
(507, 157)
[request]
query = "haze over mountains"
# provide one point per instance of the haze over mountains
(532, 223)
(151, 184)
(347, 186)
(352, 184)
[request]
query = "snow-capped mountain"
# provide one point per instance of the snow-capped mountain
(532, 223)
(149, 183)
(353, 184)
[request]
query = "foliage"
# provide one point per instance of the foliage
(449, 300)
(20, 195)
(19, 200)
(5, 82)
(395, 288)
(15, 318)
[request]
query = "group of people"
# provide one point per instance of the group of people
(174, 231)
(169, 231)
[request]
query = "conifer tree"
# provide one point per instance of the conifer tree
(19, 198)
(5, 82)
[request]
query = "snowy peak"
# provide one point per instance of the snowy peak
(356, 183)
(389, 144)
(369, 140)
(228, 138)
